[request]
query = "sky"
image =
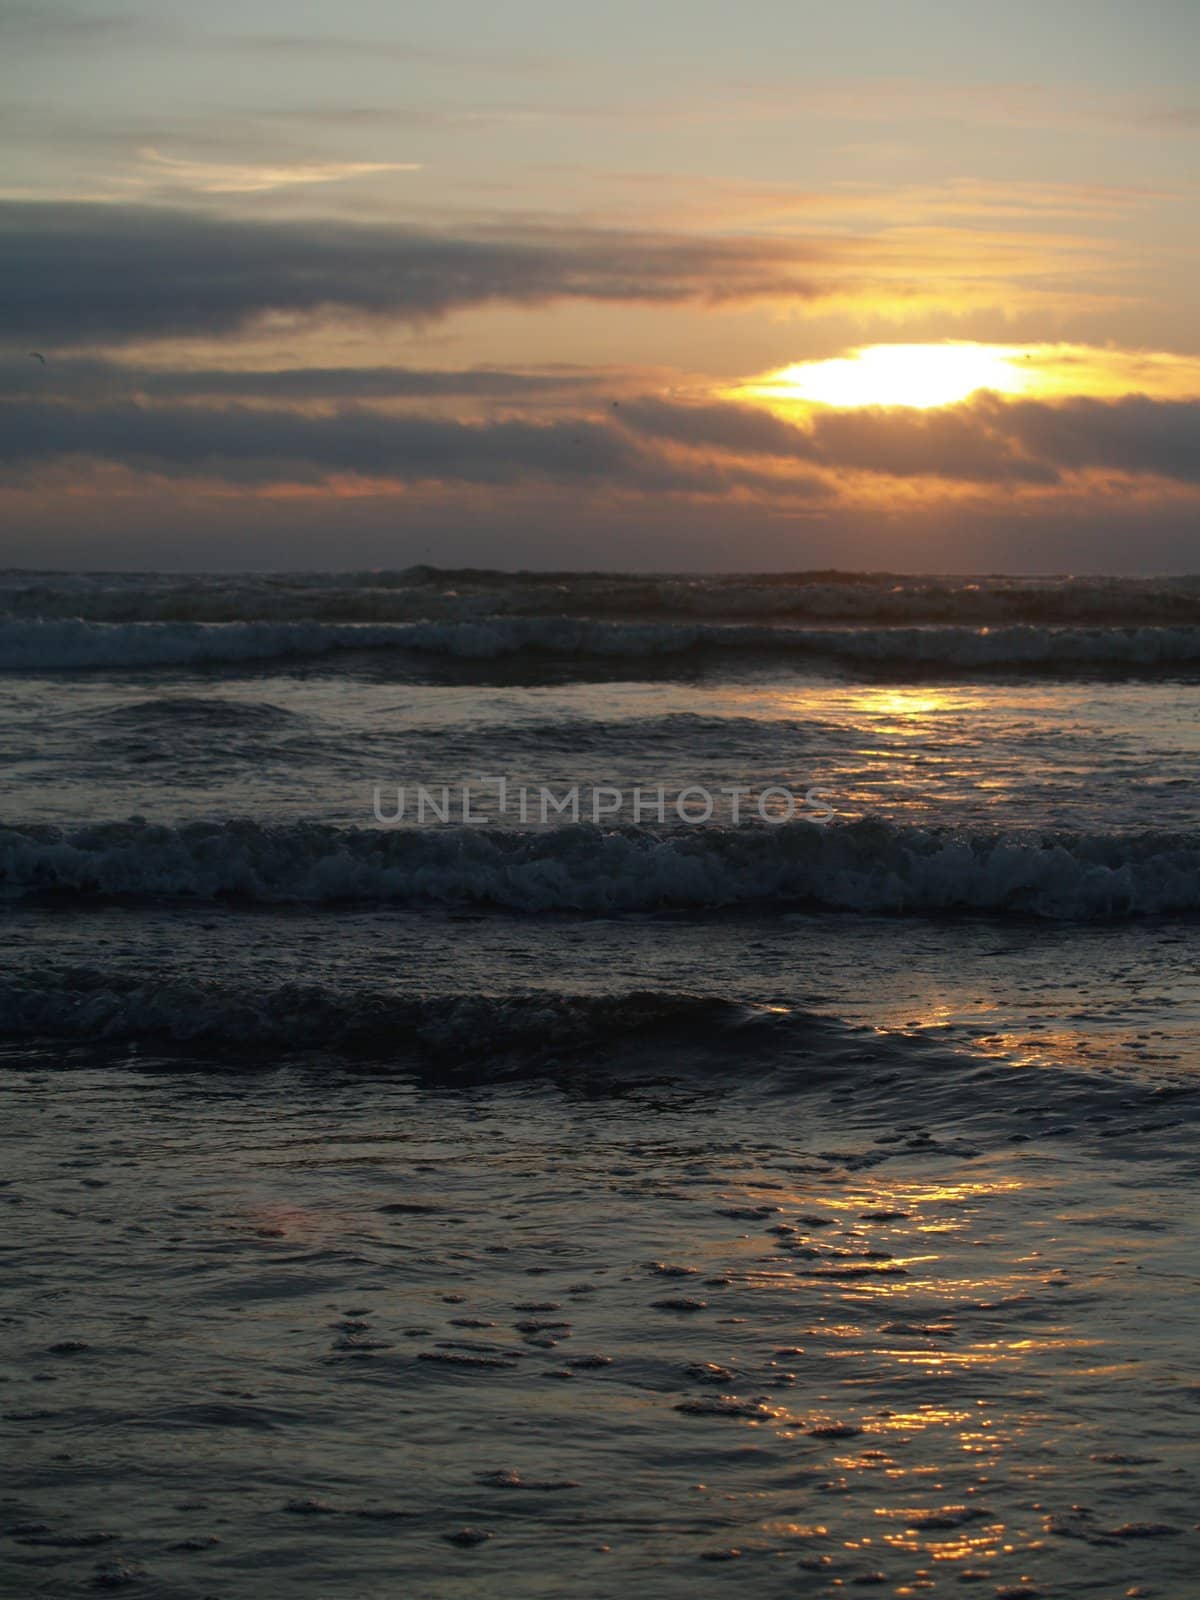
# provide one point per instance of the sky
(690, 285)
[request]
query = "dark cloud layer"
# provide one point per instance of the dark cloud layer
(72, 273)
(987, 440)
(960, 443)
(647, 445)
(244, 445)
(81, 378)
(1134, 434)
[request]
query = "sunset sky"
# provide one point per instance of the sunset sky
(551, 285)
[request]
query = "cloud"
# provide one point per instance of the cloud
(958, 443)
(1134, 434)
(323, 46)
(83, 378)
(223, 177)
(557, 426)
(717, 425)
(54, 25)
(649, 445)
(985, 440)
(955, 100)
(949, 443)
(251, 446)
(72, 273)
(974, 202)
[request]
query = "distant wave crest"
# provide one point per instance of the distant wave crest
(430, 594)
(31, 646)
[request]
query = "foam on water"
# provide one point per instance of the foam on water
(858, 866)
(75, 644)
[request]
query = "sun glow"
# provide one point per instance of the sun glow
(922, 376)
(915, 375)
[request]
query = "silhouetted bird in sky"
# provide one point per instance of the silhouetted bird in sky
(38, 356)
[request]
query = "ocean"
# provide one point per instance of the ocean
(540, 1084)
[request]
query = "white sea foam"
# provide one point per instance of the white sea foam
(29, 646)
(866, 866)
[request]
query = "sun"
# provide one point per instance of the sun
(922, 376)
(919, 376)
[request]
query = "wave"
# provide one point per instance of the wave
(430, 594)
(31, 646)
(664, 1037)
(538, 1033)
(207, 714)
(114, 1007)
(477, 1035)
(590, 1043)
(866, 866)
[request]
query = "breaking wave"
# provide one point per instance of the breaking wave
(427, 593)
(592, 1043)
(101, 1006)
(74, 644)
(866, 866)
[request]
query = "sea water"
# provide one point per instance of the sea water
(785, 1205)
